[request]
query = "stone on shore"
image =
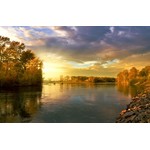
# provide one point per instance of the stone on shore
(138, 111)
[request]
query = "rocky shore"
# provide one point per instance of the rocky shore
(138, 111)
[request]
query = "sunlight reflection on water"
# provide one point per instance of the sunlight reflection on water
(62, 103)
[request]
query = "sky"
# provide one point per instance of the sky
(84, 50)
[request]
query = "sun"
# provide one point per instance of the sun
(52, 70)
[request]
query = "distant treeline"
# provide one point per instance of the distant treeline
(76, 79)
(18, 66)
(134, 76)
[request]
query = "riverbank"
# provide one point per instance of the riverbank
(138, 111)
(87, 83)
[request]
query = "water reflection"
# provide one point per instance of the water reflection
(80, 103)
(66, 87)
(19, 104)
(128, 90)
(62, 103)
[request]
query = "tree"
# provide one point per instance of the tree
(133, 73)
(145, 72)
(17, 65)
(122, 77)
(134, 76)
(26, 56)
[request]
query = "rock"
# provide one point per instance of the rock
(144, 95)
(128, 114)
(138, 110)
(123, 111)
(132, 117)
(148, 111)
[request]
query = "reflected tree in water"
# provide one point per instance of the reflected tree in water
(19, 105)
(128, 90)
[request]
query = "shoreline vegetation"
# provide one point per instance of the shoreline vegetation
(82, 80)
(79, 83)
(138, 110)
(18, 66)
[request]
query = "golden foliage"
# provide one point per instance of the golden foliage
(17, 65)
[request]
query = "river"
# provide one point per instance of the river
(64, 103)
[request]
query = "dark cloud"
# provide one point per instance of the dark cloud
(84, 42)
(82, 37)
(91, 34)
(56, 42)
(78, 40)
(134, 39)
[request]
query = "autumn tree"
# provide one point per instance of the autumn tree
(134, 76)
(123, 77)
(145, 72)
(18, 66)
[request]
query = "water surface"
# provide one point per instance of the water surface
(64, 103)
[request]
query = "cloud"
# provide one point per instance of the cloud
(136, 60)
(87, 48)
(133, 39)
(85, 64)
(64, 31)
(82, 40)
(11, 32)
(92, 34)
(96, 43)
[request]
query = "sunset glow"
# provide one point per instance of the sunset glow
(90, 51)
(52, 70)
